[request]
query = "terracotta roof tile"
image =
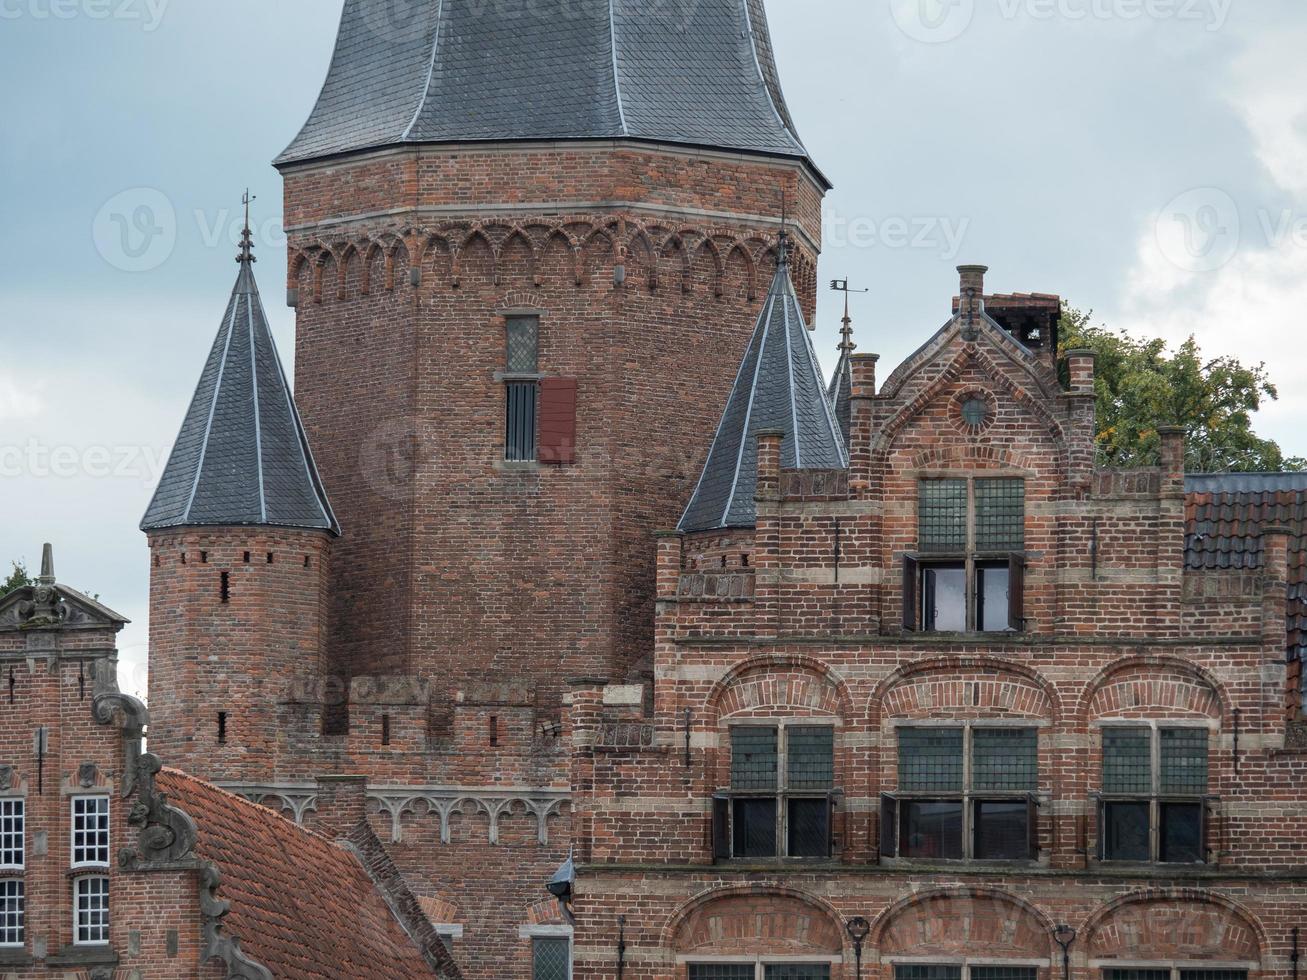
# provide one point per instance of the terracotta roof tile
(301, 905)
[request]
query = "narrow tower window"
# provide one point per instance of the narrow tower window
(385, 729)
(494, 729)
(522, 388)
(224, 588)
(222, 728)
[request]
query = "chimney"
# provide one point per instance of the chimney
(971, 290)
(342, 804)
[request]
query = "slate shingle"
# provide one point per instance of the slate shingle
(779, 386)
(242, 457)
(694, 72)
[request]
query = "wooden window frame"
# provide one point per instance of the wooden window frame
(1155, 798)
(892, 804)
(723, 821)
(972, 560)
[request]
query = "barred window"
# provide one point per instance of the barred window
(930, 759)
(947, 809)
(91, 911)
(13, 833)
(1177, 972)
(942, 515)
(13, 911)
(551, 958)
(931, 972)
(759, 971)
(1152, 806)
(753, 758)
(796, 971)
(915, 971)
(90, 831)
(522, 388)
(1136, 974)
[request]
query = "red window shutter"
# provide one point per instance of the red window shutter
(557, 420)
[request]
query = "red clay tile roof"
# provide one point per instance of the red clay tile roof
(301, 905)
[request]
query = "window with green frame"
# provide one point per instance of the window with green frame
(1153, 803)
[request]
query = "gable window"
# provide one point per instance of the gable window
(781, 796)
(968, 572)
(965, 792)
(1153, 805)
(13, 834)
(91, 911)
(522, 384)
(90, 831)
(551, 958)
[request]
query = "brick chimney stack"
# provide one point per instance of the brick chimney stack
(971, 289)
(342, 805)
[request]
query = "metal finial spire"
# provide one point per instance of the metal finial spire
(247, 239)
(846, 331)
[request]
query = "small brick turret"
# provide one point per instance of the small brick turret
(240, 533)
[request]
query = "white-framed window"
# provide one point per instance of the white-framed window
(91, 911)
(775, 968)
(13, 912)
(13, 830)
(90, 831)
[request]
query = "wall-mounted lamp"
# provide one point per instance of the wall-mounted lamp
(1064, 936)
(858, 929)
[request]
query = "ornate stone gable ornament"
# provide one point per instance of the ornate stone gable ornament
(46, 607)
(167, 835)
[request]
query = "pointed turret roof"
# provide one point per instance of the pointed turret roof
(779, 386)
(698, 73)
(840, 391)
(242, 457)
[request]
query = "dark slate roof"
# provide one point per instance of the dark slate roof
(779, 386)
(242, 457)
(694, 72)
(840, 390)
(1224, 517)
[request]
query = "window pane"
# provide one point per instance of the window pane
(1005, 759)
(1003, 973)
(992, 585)
(942, 515)
(523, 344)
(753, 758)
(1182, 833)
(549, 958)
(1213, 975)
(90, 830)
(1000, 515)
(809, 828)
(915, 972)
(811, 757)
(944, 598)
(930, 760)
(12, 912)
(932, 829)
(721, 971)
(1127, 760)
(755, 828)
(12, 813)
(1184, 760)
(1136, 975)
(1002, 830)
(520, 421)
(92, 909)
(796, 971)
(1125, 834)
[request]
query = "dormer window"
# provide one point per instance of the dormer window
(968, 573)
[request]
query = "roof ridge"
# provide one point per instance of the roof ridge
(213, 405)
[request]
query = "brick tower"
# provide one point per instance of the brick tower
(527, 241)
(240, 532)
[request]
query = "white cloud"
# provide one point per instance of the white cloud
(19, 399)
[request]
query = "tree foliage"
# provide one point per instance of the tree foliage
(16, 580)
(1142, 384)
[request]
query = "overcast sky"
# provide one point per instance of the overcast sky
(1146, 158)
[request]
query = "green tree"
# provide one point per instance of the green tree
(1142, 384)
(16, 580)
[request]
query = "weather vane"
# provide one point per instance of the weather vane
(247, 239)
(846, 331)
